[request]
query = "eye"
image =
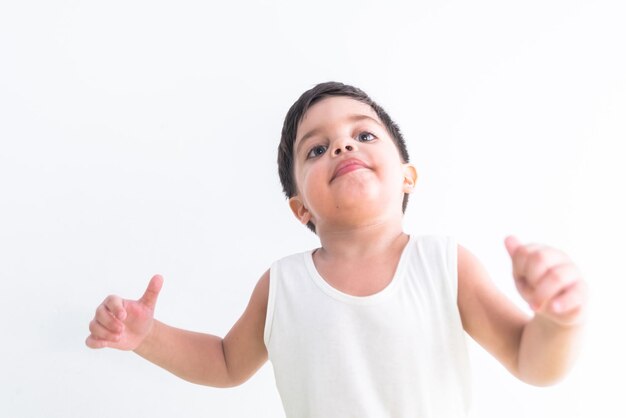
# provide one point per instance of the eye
(365, 137)
(316, 151)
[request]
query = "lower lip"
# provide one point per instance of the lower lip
(347, 169)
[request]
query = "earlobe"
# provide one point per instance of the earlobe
(299, 210)
(410, 177)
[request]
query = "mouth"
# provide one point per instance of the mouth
(348, 166)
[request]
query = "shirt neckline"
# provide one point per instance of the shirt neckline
(358, 300)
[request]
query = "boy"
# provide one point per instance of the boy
(372, 323)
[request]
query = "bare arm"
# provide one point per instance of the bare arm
(488, 316)
(550, 282)
(538, 350)
(195, 357)
(199, 358)
(547, 351)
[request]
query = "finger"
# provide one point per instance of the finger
(518, 253)
(555, 281)
(99, 331)
(151, 294)
(511, 243)
(106, 319)
(93, 342)
(525, 290)
(115, 305)
(540, 261)
(533, 261)
(570, 299)
(519, 257)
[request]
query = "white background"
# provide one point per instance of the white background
(140, 138)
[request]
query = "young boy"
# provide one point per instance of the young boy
(372, 323)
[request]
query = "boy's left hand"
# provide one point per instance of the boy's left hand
(549, 281)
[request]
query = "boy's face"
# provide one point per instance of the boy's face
(347, 169)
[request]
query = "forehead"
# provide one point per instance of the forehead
(330, 111)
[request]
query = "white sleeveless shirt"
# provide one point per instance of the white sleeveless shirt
(398, 353)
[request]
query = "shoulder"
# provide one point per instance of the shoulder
(283, 267)
(439, 248)
(291, 258)
(477, 292)
(260, 293)
(435, 243)
(469, 267)
(287, 267)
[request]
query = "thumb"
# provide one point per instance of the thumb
(512, 243)
(151, 294)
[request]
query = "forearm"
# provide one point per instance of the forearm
(547, 351)
(195, 357)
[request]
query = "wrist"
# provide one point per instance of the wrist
(567, 322)
(548, 328)
(144, 346)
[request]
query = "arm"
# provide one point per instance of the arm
(196, 357)
(538, 350)
(547, 351)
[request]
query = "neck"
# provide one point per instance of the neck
(363, 241)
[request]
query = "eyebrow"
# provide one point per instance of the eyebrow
(349, 118)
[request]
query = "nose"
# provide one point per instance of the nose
(343, 146)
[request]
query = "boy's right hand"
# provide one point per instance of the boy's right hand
(122, 323)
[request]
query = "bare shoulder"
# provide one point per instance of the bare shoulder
(261, 293)
(488, 316)
(254, 314)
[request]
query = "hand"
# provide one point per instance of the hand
(549, 281)
(124, 324)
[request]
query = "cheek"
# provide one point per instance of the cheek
(307, 184)
(312, 176)
(392, 163)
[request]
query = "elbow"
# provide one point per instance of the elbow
(238, 380)
(541, 378)
(227, 385)
(542, 381)
(220, 384)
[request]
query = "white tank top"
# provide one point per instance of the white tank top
(398, 353)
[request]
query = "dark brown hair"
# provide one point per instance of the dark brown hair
(296, 113)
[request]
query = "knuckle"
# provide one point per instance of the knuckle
(100, 309)
(555, 277)
(101, 314)
(112, 300)
(540, 295)
(538, 257)
(93, 327)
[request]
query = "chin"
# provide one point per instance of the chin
(358, 197)
(358, 208)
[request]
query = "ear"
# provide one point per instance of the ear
(299, 210)
(410, 177)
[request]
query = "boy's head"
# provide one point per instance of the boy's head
(365, 123)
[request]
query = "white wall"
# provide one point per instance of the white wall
(140, 138)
